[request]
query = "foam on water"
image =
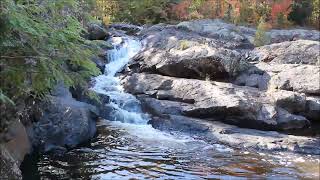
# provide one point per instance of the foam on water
(126, 111)
(125, 107)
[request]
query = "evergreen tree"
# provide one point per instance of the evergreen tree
(41, 44)
(301, 11)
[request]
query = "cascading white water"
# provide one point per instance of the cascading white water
(124, 107)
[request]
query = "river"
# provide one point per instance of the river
(127, 147)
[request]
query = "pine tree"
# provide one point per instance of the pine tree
(41, 44)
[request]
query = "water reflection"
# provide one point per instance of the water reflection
(121, 152)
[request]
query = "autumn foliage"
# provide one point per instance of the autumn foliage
(234, 10)
(277, 13)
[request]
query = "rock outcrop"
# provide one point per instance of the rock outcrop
(97, 32)
(63, 122)
(243, 106)
(128, 29)
(12, 151)
(209, 69)
(290, 77)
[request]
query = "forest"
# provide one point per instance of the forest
(278, 13)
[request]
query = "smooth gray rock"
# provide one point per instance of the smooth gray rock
(290, 121)
(289, 52)
(161, 107)
(174, 52)
(290, 77)
(64, 122)
(244, 106)
(313, 108)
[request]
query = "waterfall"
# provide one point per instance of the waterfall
(123, 107)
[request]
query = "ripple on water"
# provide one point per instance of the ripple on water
(123, 151)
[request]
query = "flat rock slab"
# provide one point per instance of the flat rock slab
(243, 106)
(290, 77)
(240, 138)
(289, 52)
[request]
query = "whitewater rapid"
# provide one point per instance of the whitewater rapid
(125, 107)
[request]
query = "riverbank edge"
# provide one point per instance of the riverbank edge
(39, 133)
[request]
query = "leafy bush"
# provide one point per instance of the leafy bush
(184, 44)
(261, 38)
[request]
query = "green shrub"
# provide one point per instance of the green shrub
(184, 44)
(261, 38)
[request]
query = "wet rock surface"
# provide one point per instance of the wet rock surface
(236, 137)
(63, 122)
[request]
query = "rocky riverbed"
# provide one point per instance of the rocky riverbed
(191, 75)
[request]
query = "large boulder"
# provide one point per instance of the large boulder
(128, 29)
(290, 77)
(63, 122)
(171, 51)
(97, 32)
(218, 29)
(243, 106)
(196, 61)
